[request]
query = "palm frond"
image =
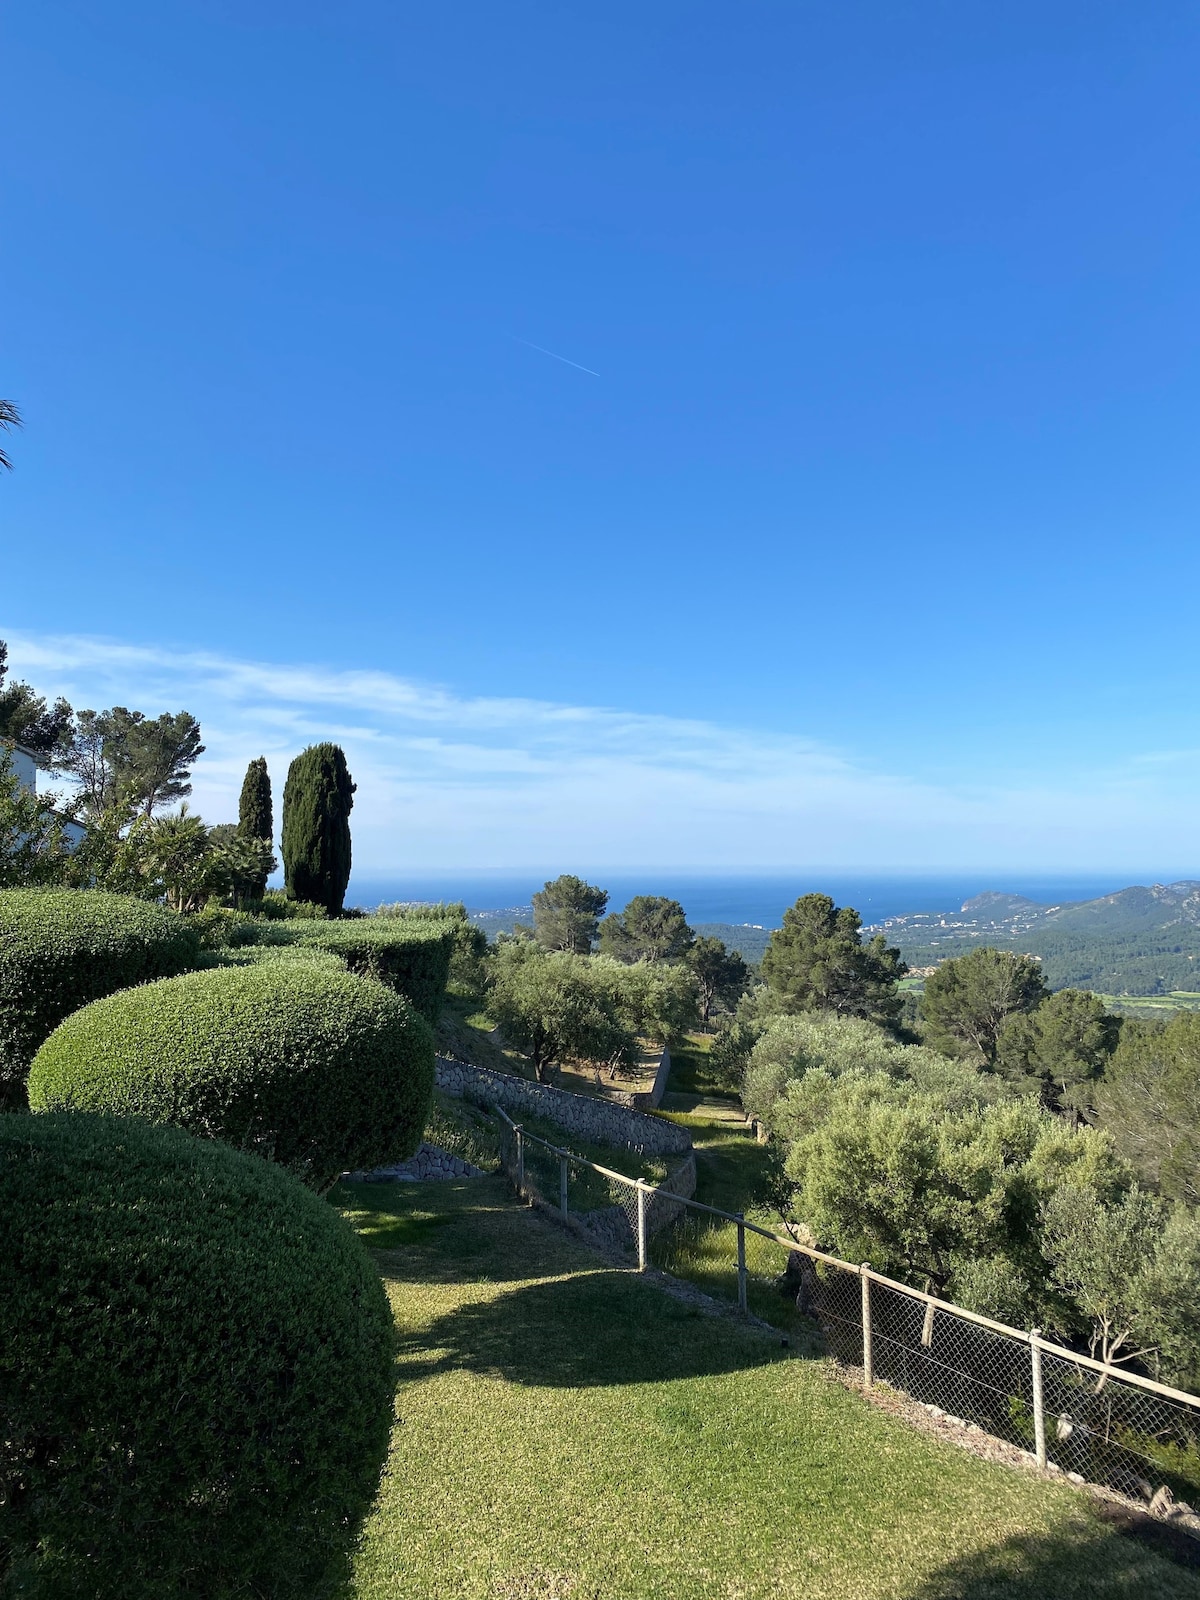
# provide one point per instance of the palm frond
(10, 417)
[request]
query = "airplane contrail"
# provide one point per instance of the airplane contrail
(545, 352)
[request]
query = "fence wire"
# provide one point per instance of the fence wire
(1112, 1432)
(1101, 1424)
(606, 1205)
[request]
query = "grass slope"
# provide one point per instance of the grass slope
(730, 1172)
(566, 1431)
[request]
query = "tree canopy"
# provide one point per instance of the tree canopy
(1149, 1100)
(566, 914)
(26, 719)
(791, 1046)
(126, 761)
(1062, 1047)
(654, 999)
(722, 975)
(817, 962)
(33, 845)
(549, 1004)
(10, 417)
(917, 1170)
(651, 928)
(969, 999)
(1100, 1255)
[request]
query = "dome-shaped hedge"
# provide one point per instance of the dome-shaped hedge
(410, 955)
(314, 1068)
(195, 1369)
(60, 948)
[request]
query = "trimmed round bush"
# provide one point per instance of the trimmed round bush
(195, 1370)
(312, 1067)
(60, 948)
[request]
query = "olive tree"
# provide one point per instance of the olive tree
(550, 1005)
(1130, 1264)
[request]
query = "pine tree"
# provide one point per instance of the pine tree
(255, 817)
(317, 798)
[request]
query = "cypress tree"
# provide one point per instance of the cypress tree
(317, 798)
(255, 817)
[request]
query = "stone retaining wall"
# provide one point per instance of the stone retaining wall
(429, 1162)
(581, 1114)
(646, 1099)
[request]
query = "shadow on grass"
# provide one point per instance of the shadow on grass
(1088, 1564)
(591, 1330)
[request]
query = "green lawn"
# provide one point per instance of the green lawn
(566, 1431)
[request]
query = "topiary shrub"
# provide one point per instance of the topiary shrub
(412, 957)
(252, 955)
(316, 1069)
(60, 948)
(195, 1370)
(470, 941)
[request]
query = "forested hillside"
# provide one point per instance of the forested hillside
(1141, 940)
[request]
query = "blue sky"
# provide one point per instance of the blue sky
(868, 539)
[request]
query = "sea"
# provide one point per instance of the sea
(749, 900)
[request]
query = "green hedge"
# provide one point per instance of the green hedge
(60, 948)
(254, 955)
(318, 1070)
(195, 1370)
(412, 957)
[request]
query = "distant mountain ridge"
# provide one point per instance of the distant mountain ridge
(1142, 940)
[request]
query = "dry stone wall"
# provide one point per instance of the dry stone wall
(646, 1099)
(430, 1162)
(581, 1114)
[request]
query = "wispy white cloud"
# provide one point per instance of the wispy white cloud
(485, 781)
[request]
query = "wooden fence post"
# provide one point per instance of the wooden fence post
(520, 1133)
(868, 1354)
(562, 1185)
(641, 1225)
(741, 1237)
(1039, 1414)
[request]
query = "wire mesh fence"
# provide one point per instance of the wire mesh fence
(605, 1203)
(1071, 1413)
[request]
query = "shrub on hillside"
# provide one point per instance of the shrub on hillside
(195, 1369)
(318, 1070)
(61, 948)
(411, 956)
